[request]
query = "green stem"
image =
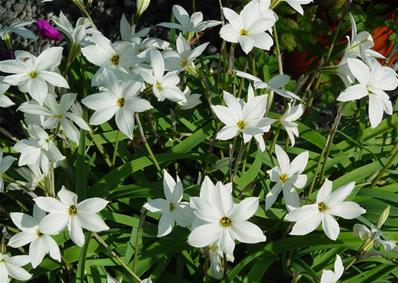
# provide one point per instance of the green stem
(148, 148)
(278, 50)
(116, 148)
(101, 150)
(140, 224)
(116, 257)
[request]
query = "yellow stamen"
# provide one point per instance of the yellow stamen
(225, 221)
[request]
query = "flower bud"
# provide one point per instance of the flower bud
(142, 5)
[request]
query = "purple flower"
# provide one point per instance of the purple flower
(48, 31)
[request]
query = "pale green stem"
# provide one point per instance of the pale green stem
(116, 148)
(394, 155)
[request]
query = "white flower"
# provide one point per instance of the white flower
(127, 31)
(239, 117)
(163, 86)
(288, 119)
(33, 73)
(288, 178)
(296, 4)
(223, 222)
(67, 212)
(186, 23)
(10, 266)
(4, 100)
(173, 210)
(328, 205)
(104, 53)
(5, 163)
(120, 100)
(58, 115)
(329, 276)
(33, 178)
(249, 27)
(40, 243)
(75, 34)
(374, 234)
(38, 149)
(19, 28)
(184, 57)
(275, 84)
(191, 100)
(373, 81)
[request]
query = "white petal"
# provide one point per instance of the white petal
(291, 198)
(103, 115)
(92, 205)
(340, 194)
(157, 63)
(22, 220)
(183, 215)
(207, 211)
(166, 224)
(245, 209)
(67, 197)
(247, 43)
(324, 191)
(262, 40)
(227, 133)
(76, 231)
(227, 243)
(53, 223)
(354, 92)
(359, 69)
(300, 182)
(246, 232)
(53, 248)
(95, 55)
(18, 272)
(125, 122)
(346, 210)
(54, 79)
(49, 58)
(224, 114)
(272, 195)
(92, 222)
(229, 33)
(12, 66)
(375, 110)
(330, 226)
(204, 235)
(283, 159)
(38, 89)
(306, 226)
(327, 277)
(338, 267)
(37, 251)
(50, 204)
(99, 101)
(299, 162)
(303, 213)
(157, 205)
(21, 239)
(223, 199)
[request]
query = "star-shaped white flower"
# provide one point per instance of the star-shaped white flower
(223, 222)
(288, 119)
(121, 99)
(373, 80)
(38, 149)
(18, 27)
(288, 178)
(328, 204)
(66, 212)
(186, 23)
(164, 86)
(329, 276)
(239, 117)
(74, 34)
(173, 210)
(5, 164)
(249, 27)
(34, 73)
(40, 243)
(11, 267)
(296, 4)
(184, 57)
(58, 115)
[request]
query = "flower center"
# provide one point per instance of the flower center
(283, 178)
(72, 210)
(58, 116)
(225, 221)
(243, 32)
(322, 207)
(33, 74)
(158, 86)
(120, 102)
(241, 124)
(39, 234)
(213, 248)
(115, 59)
(184, 63)
(171, 206)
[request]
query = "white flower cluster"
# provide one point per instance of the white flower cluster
(131, 69)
